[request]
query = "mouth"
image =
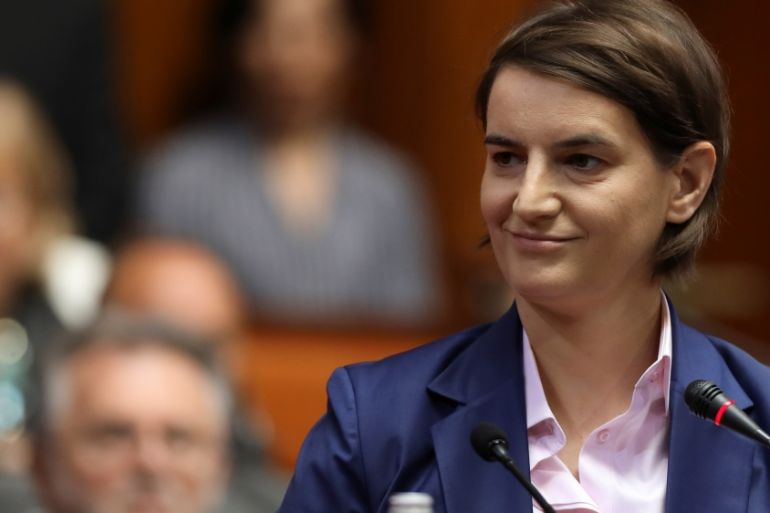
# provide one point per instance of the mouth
(539, 242)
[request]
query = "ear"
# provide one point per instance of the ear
(692, 176)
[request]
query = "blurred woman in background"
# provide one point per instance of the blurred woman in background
(320, 222)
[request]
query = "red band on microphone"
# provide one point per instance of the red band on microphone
(722, 410)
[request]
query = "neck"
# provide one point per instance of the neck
(300, 178)
(308, 131)
(300, 152)
(590, 361)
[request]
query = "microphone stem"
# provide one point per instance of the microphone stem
(502, 456)
(762, 437)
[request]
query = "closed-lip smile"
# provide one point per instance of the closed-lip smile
(533, 242)
(541, 237)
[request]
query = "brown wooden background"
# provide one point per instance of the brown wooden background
(416, 90)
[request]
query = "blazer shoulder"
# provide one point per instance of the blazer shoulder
(412, 370)
(753, 375)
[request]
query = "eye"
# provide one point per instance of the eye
(583, 162)
(506, 159)
(179, 439)
(110, 435)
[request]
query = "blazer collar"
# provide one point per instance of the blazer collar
(487, 379)
(493, 358)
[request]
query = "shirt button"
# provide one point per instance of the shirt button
(604, 435)
(656, 375)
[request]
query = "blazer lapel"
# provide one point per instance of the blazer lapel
(709, 468)
(487, 382)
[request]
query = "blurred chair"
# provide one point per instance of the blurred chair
(285, 371)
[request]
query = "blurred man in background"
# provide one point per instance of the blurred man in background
(132, 417)
(182, 283)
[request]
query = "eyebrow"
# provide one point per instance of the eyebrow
(584, 140)
(572, 142)
(500, 140)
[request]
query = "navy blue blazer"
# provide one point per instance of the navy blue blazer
(403, 424)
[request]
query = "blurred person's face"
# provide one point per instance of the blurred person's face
(135, 431)
(17, 228)
(180, 284)
(295, 55)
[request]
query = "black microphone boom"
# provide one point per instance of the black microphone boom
(707, 401)
(491, 443)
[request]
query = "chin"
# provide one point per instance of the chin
(545, 288)
(151, 503)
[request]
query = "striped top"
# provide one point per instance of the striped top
(375, 262)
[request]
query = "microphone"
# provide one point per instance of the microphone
(491, 443)
(707, 401)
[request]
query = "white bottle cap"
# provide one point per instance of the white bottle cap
(411, 500)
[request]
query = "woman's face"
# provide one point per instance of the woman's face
(296, 57)
(572, 195)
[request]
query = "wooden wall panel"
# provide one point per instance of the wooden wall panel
(159, 47)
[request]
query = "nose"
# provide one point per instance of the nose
(537, 198)
(152, 454)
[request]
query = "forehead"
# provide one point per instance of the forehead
(534, 106)
(145, 385)
(147, 279)
(293, 11)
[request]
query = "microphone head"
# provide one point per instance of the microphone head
(704, 398)
(707, 401)
(485, 436)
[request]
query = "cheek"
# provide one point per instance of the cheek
(210, 475)
(204, 484)
(648, 207)
(94, 480)
(496, 201)
(635, 221)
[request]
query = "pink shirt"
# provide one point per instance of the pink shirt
(623, 464)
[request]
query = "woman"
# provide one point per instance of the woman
(320, 222)
(607, 135)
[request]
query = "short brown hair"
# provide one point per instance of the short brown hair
(648, 56)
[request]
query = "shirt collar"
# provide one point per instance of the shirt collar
(538, 409)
